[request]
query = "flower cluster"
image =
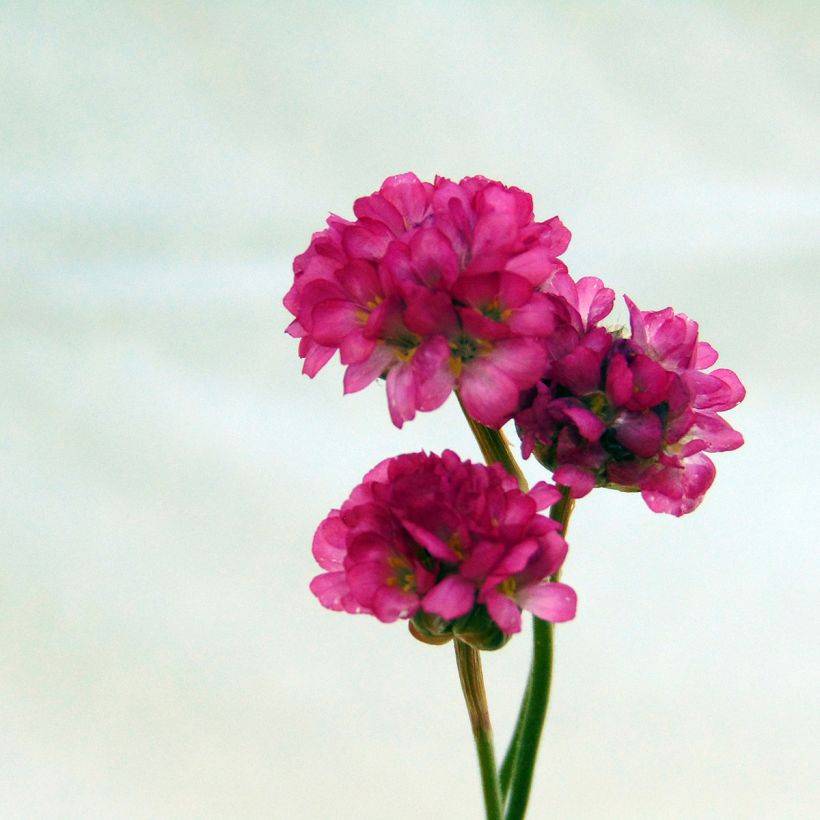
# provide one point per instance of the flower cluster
(436, 287)
(447, 541)
(634, 413)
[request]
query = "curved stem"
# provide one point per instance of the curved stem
(510, 757)
(534, 708)
(494, 447)
(468, 660)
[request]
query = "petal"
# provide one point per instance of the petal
(316, 358)
(504, 611)
(489, 396)
(401, 394)
(544, 495)
(594, 300)
(641, 433)
(391, 603)
(523, 360)
(579, 481)
(333, 593)
(679, 489)
(716, 433)
(329, 542)
(705, 356)
(333, 319)
(410, 196)
(549, 601)
(450, 598)
(618, 381)
(431, 542)
(432, 373)
(358, 376)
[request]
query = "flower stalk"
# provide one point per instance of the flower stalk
(519, 763)
(468, 661)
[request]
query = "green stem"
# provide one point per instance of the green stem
(534, 707)
(468, 660)
(495, 448)
(511, 755)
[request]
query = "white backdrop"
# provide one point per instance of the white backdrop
(164, 464)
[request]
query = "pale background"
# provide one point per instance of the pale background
(163, 463)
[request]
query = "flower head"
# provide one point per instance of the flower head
(435, 286)
(442, 538)
(636, 413)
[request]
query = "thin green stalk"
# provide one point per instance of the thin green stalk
(494, 447)
(511, 755)
(468, 661)
(534, 707)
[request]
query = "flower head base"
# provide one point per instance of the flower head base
(435, 287)
(455, 545)
(634, 414)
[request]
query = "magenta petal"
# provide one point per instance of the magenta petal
(409, 195)
(594, 300)
(716, 433)
(489, 396)
(504, 611)
(358, 376)
(679, 489)
(536, 265)
(433, 376)
(588, 424)
(391, 603)
(401, 394)
(377, 207)
(618, 381)
(523, 360)
(329, 542)
(333, 593)
(642, 433)
(536, 318)
(481, 560)
(549, 601)
(355, 348)
(544, 495)
(316, 358)
(365, 579)
(433, 258)
(705, 356)
(450, 598)
(580, 482)
(432, 543)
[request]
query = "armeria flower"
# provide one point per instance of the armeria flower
(635, 414)
(435, 287)
(443, 539)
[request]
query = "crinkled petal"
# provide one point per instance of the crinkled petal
(550, 601)
(504, 611)
(450, 598)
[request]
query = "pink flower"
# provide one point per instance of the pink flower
(437, 537)
(636, 414)
(436, 287)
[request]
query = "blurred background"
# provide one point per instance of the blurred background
(164, 463)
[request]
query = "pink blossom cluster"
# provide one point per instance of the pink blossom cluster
(636, 413)
(434, 535)
(434, 286)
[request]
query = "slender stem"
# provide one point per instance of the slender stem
(511, 755)
(468, 660)
(494, 447)
(534, 707)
